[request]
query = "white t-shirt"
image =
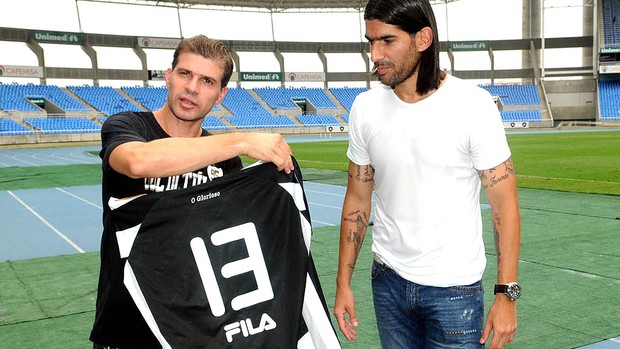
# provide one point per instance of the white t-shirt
(426, 156)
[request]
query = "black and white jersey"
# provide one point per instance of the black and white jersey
(226, 264)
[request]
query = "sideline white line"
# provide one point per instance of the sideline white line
(63, 236)
(324, 205)
(324, 223)
(79, 198)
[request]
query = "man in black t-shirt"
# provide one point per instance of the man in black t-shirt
(166, 150)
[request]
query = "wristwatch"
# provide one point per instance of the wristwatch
(511, 289)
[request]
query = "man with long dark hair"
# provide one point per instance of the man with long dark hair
(425, 142)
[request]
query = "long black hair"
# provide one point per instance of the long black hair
(411, 16)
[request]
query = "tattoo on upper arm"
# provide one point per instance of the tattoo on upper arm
(364, 174)
(355, 236)
(496, 175)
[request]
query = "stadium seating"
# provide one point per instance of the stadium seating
(609, 99)
(152, 98)
(213, 123)
(521, 115)
(611, 23)
(346, 95)
(9, 127)
(15, 96)
(318, 120)
(282, 97)
(104, 98)
(263, 121)
(55, 125)
(514, 94)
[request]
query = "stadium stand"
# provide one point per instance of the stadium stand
(282, 97)
(515, 94)
(611, 23)
(249, 113)
(609, 96)
(10, 127)
(317, 120)
(520, 102)
(104, 98)
(346, 95)
(54, 125)
(150, 97)
(213, 123)
(22, 98)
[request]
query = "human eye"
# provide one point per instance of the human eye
(184, 73)
(206, 81)
(388, 41)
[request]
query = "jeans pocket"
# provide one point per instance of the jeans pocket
(376, 271)
(468, 289)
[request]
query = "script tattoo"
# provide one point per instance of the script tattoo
(364, 174)
(359, 221)
(494, 176)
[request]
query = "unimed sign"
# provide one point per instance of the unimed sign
(260, 76)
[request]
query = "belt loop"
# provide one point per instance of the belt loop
(378, 260)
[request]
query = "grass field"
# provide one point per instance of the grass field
(582, 162)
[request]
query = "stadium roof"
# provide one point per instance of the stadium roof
(270, 5)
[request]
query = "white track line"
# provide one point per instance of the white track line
(63, 236)
(79, 198)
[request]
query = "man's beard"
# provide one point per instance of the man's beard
(400, 74)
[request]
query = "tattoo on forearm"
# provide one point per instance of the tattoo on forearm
(496, 237)
(359, 220)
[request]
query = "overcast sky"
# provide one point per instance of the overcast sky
(458, 21)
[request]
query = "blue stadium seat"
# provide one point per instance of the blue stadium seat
(15, 98)
(609, 99)
(318, 120)
(282, 97)
(10, 127)
(62, 125)
(104, 99)
(346, 95)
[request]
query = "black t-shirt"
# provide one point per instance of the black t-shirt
(226, 264)
(117, 320)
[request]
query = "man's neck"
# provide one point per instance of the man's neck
(176, 127)
(407, 90)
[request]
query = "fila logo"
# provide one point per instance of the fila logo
(246, 327)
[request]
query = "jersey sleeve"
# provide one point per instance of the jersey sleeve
(119, 129)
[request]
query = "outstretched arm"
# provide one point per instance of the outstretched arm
(353, 226)
(499, 184)
(178, 155)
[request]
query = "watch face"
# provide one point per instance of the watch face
(513, 291)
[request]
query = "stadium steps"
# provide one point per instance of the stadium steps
(341, 109)
(77, 98)
(290, 114)
(221, 114)
(130, 98)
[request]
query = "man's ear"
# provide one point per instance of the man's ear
(222, 95)
(424, 38)
(168, 72)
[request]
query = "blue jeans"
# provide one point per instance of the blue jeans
(412, 316)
